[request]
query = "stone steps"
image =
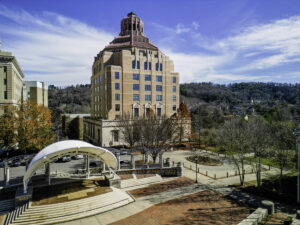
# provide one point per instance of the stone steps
(76, 209)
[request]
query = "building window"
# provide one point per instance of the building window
(150, 66)
(136, 97)
(174, 107)
(174, 98)
(148, 112)
(5, 81)
(5, 94)
(174, 88)
(145, 65)
(147, 97)
(147, 87)
(156, 66)
(117, 107)
(174, 80)
(117, 75)
(160, 67)
(158, 97)
(147, 77)
(133, 64)
(138, 64)
(5, 69)
(117, 86)
(158, 112)
(116, 135)
(158, 88)
(136, 87)
(158, 78)
(117, 97)
(136, 112)
(136, 76)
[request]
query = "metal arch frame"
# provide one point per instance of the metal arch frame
(63, 148)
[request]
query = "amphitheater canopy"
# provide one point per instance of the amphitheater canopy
(69, 147)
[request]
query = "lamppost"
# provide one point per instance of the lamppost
(196, 159)
(297, 133)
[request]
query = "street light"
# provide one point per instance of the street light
(297, 133)
(196, 159)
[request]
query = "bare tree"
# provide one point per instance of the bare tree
(129, 128)
(233, 137)
(259, 136)
(157, 134)
(283, 145)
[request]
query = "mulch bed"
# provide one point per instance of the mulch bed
(140, 176)
(205, 160)
(207, 208)
(156, 188)
(126, 176)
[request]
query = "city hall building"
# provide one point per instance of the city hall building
(129, 76)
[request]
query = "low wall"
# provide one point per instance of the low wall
(164, 172)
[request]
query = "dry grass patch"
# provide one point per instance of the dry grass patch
(207, 208)
(140, 176)
(160, 187)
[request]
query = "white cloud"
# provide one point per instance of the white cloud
(195, 25)
(51, 47)
(181, 28)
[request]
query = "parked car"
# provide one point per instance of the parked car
(77, 157)
(66, 158)
(16, 163)
(123, 152)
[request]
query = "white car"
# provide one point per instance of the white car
(78, 156)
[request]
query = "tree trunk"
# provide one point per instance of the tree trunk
(280, 181)
(258, 174)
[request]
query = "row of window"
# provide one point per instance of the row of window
(136, 97)
(136, 87)
(147, 65)
(136, 110)
(135, 76)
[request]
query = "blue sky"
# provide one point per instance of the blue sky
(208, 40)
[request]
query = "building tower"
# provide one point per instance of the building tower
(131, 76)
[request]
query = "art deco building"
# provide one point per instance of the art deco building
(130, 75)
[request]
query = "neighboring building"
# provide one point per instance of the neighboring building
(11, 79)
(36, 92)
(12, 88)
(72, 125)
(132, 76)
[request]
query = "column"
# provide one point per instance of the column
(7, 176)
(161, 161)
(87, 165)
(118, 159)
(132, 161)
(47, 172)
(103, 167)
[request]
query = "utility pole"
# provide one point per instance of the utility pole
(297, 133)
